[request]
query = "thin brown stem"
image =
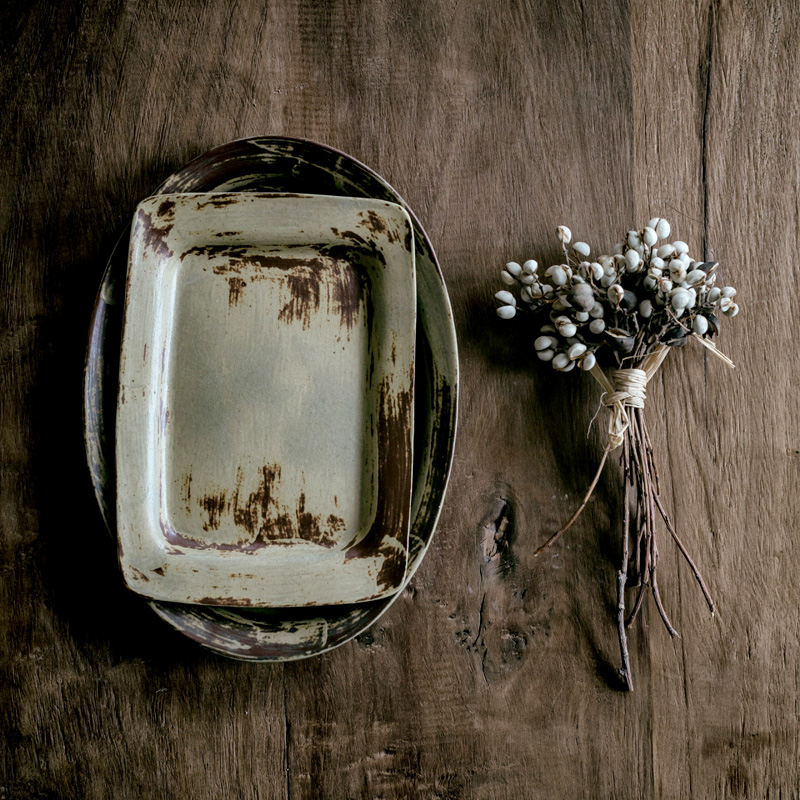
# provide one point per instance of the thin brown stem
(644, 491)
(636, 606)
(639, 551)
(650, 458)
(575, 516)
(660, 607)
(685, 553)
(657, 499)
(622, 580)
(649, 495)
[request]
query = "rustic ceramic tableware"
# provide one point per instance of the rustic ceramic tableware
(280, 164)
(264, 424)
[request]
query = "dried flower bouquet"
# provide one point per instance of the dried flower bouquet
(624, 311)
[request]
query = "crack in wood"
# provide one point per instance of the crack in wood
(705, 71)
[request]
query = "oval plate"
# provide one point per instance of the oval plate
(281, 164)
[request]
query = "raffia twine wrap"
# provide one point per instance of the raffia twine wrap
(626, 388)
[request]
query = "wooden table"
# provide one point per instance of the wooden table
(491, 677)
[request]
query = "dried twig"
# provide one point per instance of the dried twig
(641, 482)
(685, 554)
(622, 580)
(575, 516)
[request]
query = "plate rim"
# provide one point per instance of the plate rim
(99, 361)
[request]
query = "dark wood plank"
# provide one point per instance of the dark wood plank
(98, 699)
(716, 153)
(493, 676)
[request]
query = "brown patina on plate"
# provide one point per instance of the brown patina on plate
(265, 419)
(283, 164)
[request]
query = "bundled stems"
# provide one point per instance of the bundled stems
(641, 491)
(622, 577)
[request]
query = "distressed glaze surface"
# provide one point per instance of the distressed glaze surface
(285, 164)
(264, 429)
(492, 675)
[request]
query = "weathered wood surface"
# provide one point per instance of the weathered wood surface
(494, 675)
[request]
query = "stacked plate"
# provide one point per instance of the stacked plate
(271, 398)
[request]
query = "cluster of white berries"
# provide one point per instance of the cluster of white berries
(643, 295)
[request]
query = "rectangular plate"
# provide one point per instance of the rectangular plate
(264, 420)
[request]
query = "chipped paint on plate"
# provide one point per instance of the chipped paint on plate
(285, 164)
(265, 416)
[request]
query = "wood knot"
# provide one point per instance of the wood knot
(496, 530)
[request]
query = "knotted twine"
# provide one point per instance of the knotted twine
(626, 389)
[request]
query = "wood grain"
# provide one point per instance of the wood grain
(493, 676)
(729, 720)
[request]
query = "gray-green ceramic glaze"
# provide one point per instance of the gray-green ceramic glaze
(278, 164)
(264, 421)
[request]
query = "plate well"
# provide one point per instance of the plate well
(264, 423)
